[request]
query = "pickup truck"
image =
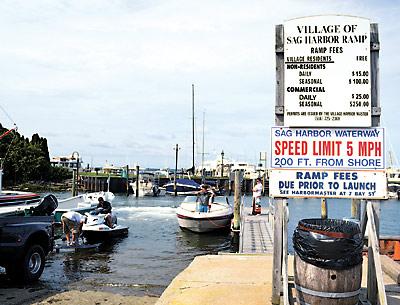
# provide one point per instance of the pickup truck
(26, 239)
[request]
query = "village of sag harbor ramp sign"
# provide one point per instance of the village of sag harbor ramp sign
(327, 72)
(336, 163)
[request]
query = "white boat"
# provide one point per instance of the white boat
(218, 217)
(147, 186)
(12, 202)
(82, 203)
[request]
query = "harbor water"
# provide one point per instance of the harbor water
(156, 249)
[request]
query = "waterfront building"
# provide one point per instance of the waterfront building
(213, 168)
(67, 162)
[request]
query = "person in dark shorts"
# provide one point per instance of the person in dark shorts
(104, 207)
(72, 222)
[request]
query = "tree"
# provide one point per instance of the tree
(25, 160)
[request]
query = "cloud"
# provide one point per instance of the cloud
(112, 79)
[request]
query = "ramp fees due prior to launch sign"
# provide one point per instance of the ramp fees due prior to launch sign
(327, 72)
(361, 148)
(328, 184)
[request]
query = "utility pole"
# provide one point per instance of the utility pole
(75, 189)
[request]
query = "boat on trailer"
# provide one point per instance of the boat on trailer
(218, 217)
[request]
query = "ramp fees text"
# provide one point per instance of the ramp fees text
(328, 183)
(328, 148)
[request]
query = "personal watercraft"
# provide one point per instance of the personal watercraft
(95, 227)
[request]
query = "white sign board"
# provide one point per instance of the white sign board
(333, 148)
(327, 184)
(327, 72)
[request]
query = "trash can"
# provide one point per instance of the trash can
(328, 261)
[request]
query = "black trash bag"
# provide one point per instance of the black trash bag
(328, 243)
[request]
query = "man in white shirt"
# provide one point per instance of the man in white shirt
(257, 192)
(72, 223)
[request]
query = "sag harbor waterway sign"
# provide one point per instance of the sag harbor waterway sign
(341, 148)
(337, 163)
(327, 72)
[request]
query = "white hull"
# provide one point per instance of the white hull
(183, 193)
(202, 225)
(218, 217)
(86, 199)
(103, 232)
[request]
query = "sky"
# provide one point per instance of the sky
(113, 79)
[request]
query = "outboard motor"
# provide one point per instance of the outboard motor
(46, 206)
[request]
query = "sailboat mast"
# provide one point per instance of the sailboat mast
(202, 150)
(193, 128)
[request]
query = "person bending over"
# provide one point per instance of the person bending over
(72, 222)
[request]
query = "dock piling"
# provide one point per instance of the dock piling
(324, 208)
(127, 180)
(277, 258)
(356, 208)
(236, 212)
(137, 181)
(73, 183)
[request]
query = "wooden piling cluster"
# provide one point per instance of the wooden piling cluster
(119, 184)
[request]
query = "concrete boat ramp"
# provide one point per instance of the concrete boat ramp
(244, 278)
(240, 279)
(221, 280)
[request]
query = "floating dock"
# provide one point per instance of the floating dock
(256, 236)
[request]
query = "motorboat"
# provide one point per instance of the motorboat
(393, 191)
(95, 227)
(12, 202)
(219, 215)
(147, 187)
(184, 187)
(82, 203)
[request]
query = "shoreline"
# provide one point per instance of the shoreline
(90, 297)
(45, 296)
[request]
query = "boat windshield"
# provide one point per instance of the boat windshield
(217, 199)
